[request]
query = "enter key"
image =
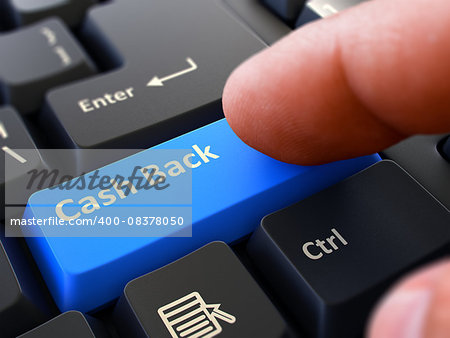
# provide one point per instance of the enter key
(170, 61)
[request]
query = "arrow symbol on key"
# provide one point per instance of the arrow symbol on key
(158, 82)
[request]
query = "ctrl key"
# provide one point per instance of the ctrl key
(203, 294)
(332, 255)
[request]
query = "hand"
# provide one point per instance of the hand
(351, 85)
(348, 85)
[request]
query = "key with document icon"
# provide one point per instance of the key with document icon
(195, 297)
(191, 317)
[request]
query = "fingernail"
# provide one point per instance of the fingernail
(403, 312)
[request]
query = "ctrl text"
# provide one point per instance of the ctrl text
(315, 250)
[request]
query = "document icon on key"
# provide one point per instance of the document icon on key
(191, 317)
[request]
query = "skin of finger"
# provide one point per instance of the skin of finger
(410, 74)
(437, 322)
(388, 318)
(315, 96)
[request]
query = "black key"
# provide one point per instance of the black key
(37, 58)
(420, 157)
(201, 295)
(71, 324)
(446, 148)
(316, 9)
(176, 57)
(260, 19)
(288, 10)
(23, 302)
(332, 255)
(29, 11)
(21, 156)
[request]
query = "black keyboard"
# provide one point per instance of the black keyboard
(131, 209)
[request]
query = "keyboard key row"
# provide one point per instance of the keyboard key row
(328, 259)
(234, 186)
(167, 83)
(113, 110)
(203, 294)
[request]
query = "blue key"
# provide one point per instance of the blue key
(233, 187)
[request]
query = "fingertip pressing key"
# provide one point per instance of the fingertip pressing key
(348, 85)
